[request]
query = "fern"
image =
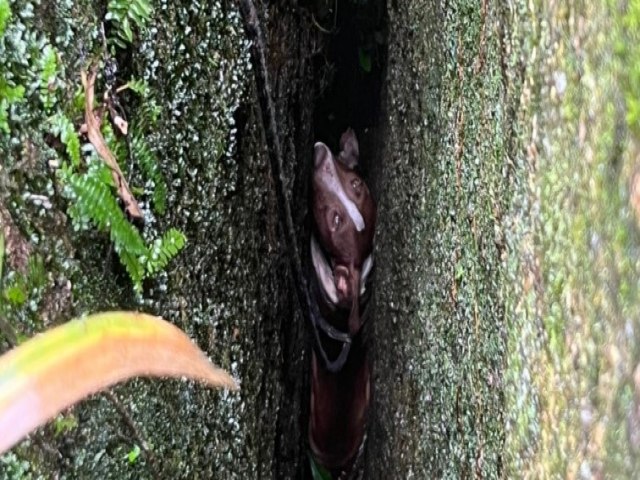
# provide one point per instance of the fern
(117, 146)
(138, 86)
(91, 191)
(164, 249)
(134, 267)
(93, 201)
(125, 15)
(147, 115)
(142, 153)
(48, 73)
(63, 127)
(148, 111)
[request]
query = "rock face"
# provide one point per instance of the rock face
(228, 289)
(444, 180)
(438, 154)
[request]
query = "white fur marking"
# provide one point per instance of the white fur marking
(366, 270)
(330, 180)
(325, 275)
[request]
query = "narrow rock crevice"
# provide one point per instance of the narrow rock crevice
(352, 69)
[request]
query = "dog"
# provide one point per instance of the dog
(344, 215)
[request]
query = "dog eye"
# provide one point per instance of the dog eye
(356, 183)
(336, 221)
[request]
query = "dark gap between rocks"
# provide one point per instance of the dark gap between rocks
(356, 56)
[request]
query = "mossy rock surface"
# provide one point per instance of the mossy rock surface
(504, 164)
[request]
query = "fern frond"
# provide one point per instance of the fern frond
(138, 86)
(63, 127)
(148, 162)
(147, 115)
(48, 72)
(134, 268)
(94, 200)
(126, 15)
(164, 249)
(93, 196)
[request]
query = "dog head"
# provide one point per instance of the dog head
(345, 216)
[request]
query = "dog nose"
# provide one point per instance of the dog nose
(341, 276)
(320, 153)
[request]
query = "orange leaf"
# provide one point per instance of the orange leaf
(60, 367)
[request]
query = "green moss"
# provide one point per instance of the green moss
(5, 15)
(42, 61)
(12, 467)
(440, 318)
(182, 144)
(67, 270)
(627, 40)
(572, 347)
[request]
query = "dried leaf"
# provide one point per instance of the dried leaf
(60, 367)
(121, 123)
(96, 138)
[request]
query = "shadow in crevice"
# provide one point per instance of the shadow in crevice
(355, 59)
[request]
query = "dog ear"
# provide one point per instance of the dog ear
(349, 150)
(320, 153)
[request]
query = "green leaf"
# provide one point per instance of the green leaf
(126, 30)
(133, 455)
(164, 249)
(364, 58)
(127, 15)
(142, 153)
(62, 126)
(139, 86)
(5, 15)
(15, 295)
(318, 472)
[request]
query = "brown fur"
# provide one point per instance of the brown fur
(340, 401)
(346, 246)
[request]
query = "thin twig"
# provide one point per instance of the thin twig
(274, 148)
(46, 446)
(1, 255)
(335, 21)
(8, 332)
(144, 445)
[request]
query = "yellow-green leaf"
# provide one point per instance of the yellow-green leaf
(60, 367)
